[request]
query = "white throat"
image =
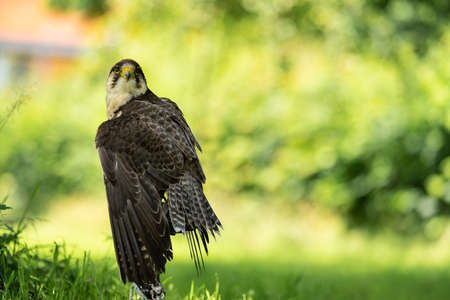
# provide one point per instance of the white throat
(114, 100)
(119, 94)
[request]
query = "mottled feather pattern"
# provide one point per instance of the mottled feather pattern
(191, 214)
(147, 152)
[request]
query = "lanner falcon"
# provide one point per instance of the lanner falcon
(153, 179)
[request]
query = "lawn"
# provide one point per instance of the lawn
(265, 252)
(302, 279)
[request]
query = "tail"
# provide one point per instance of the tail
(190, 213)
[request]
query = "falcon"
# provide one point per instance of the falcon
(153, 180)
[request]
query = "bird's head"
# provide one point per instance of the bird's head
(125, 81)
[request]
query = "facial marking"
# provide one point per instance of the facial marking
(125, 82)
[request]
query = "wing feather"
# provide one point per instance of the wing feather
(131, 266)
(120, 251)
(140, 228)
(147, 151)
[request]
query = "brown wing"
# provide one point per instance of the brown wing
(189, 210)
(169, 121)
(176, 111)
(139, 160)
(152, 144)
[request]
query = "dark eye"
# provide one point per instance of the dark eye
(116, 70)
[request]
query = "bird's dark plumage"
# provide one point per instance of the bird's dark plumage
(153, 181)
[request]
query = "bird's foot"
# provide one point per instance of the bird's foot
(134, 289)
(147, 291)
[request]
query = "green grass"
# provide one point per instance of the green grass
(269, 279)
(265, 253)
(40, 276)
(69, 278)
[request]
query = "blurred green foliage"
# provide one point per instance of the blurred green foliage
(344, 104)
(364, 24)
(43, 146)
(89, 7)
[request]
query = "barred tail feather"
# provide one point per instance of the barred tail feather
(191, 214)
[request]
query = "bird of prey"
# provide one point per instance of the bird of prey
(153, 179)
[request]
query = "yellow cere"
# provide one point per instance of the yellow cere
(125, 69)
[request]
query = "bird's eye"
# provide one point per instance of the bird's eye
(116, 70)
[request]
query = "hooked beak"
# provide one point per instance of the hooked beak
(126, 73)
